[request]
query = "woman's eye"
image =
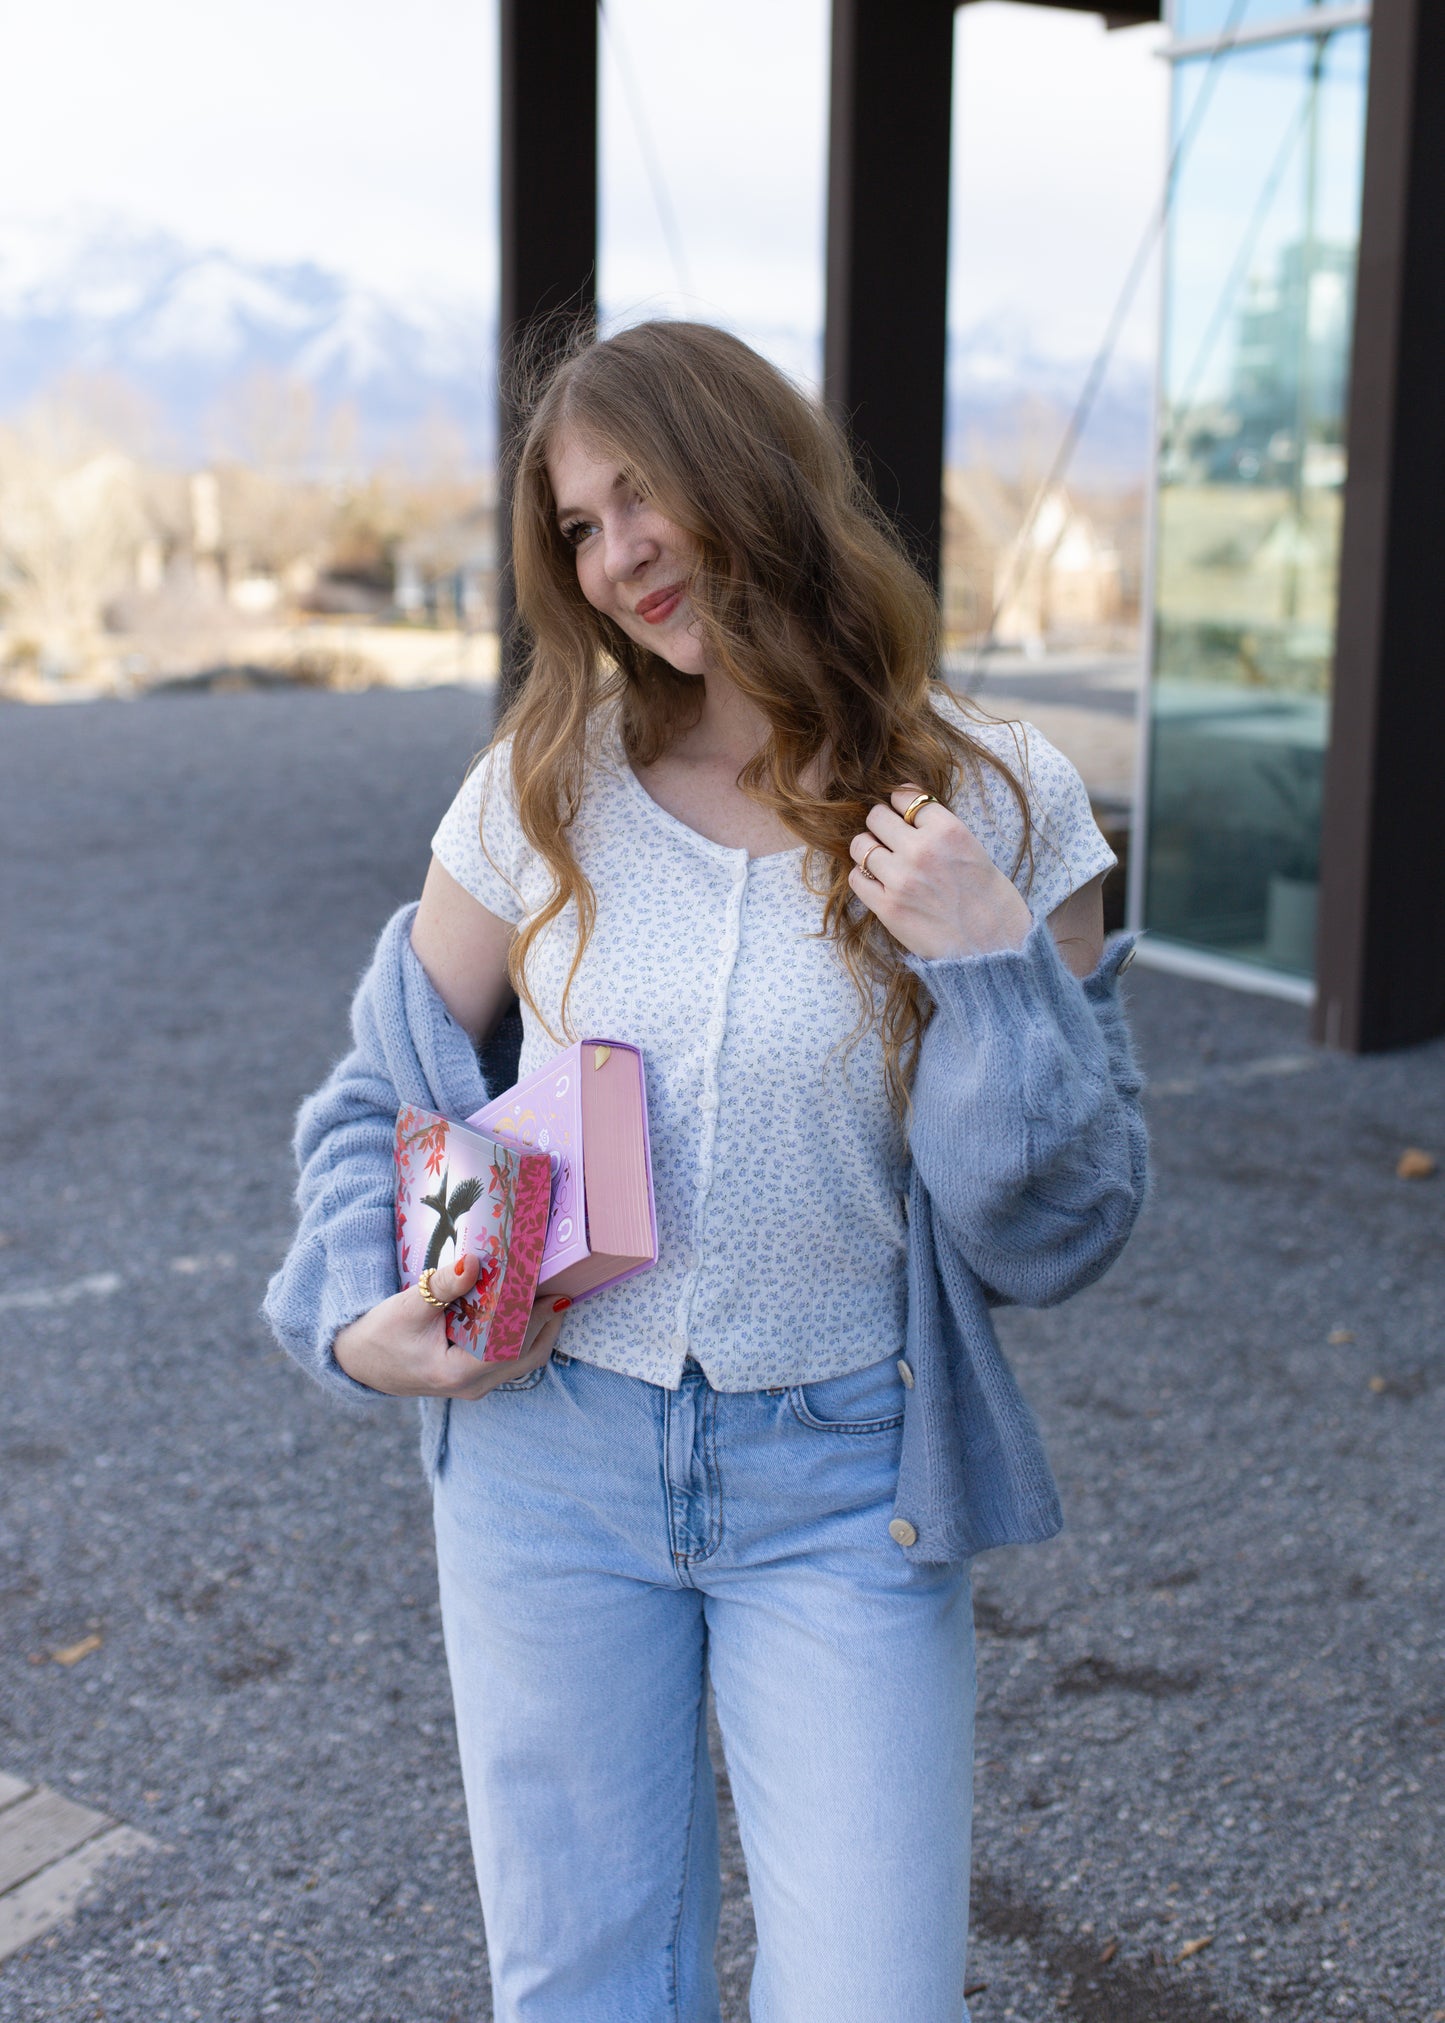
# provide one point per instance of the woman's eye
(575, 532)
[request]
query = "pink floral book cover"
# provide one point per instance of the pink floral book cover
(461, 1193)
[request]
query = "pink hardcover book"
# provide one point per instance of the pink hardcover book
(461, 1193)
(587, 1110)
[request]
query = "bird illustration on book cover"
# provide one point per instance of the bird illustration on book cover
(456, 1197)
(450, 1207)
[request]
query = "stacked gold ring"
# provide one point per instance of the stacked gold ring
(423, 1286)
(910, 813)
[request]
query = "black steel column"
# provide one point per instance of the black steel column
(885, 340)
(549, 209)
(890, 117)
(1381, 956)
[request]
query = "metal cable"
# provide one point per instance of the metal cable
(651, 161)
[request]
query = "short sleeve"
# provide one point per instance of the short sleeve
(479, 839)
(1066, 847)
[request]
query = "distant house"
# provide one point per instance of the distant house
(1063, 577)
(448, 574)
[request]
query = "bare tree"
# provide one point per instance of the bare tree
(73, 519)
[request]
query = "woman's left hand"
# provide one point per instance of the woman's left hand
(932, 883)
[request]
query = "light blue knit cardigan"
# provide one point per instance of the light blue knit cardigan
(1029, 1165)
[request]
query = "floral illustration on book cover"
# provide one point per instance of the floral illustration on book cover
(454, 1198)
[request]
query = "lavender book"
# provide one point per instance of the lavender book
(587, 1110)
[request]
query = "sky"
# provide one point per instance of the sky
(1060, 150)
(364, 137)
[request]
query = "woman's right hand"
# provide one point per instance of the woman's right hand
(401, 1346)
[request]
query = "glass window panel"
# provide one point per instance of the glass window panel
(1209, 17)
(1259, 306)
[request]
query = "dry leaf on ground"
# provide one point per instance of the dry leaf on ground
(1108, 1953)
(1339, 1336)
(1194, 1946)
(1413, 1164)
(71, 1654)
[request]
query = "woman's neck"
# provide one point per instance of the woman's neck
(729, 727)
(696, 779)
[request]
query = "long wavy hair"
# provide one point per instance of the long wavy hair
(805, 599)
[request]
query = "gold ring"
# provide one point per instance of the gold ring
(910, 813)
(423, 1286)
(863, 864)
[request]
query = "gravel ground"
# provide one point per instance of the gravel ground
(1214, 1711)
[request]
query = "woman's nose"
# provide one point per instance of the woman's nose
(627, 550)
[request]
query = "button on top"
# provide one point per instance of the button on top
(905, 1371)
(902, 1532)
(1128, 960)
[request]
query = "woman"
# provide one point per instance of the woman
(858, 936)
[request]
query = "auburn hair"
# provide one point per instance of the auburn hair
(804, 597)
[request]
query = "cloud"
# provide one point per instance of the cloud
(364, 137)
(1060, 138)
(354, 134)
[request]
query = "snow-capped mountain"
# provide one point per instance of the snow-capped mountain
(185, 323)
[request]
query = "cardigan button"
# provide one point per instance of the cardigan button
(902, 1532)
(1127, 963)
(905, 1371)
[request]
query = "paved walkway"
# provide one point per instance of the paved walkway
(1213, 1713)
(53, 1852)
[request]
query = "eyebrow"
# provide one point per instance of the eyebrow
(580, 512)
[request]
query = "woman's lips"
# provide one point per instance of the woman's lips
(661, 604)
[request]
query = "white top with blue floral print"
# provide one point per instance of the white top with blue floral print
(779, 1166)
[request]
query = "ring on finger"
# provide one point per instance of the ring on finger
(863, 863)
(423, 1286)
(910, 813)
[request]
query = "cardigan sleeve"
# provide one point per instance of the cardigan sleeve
(342, 1259)
(406, 1048)
(1027, 1129)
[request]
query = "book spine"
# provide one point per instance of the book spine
(513, 1310)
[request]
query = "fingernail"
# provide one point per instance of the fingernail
(560, 1306)
(460, 1266)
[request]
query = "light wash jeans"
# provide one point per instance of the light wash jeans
(601, 1541)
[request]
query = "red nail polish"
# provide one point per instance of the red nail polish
(460, 1266)
(560, 1306)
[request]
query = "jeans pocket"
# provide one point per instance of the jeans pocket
(864, 1401)
(527, 1383)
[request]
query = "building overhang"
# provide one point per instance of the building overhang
(1114, 16)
